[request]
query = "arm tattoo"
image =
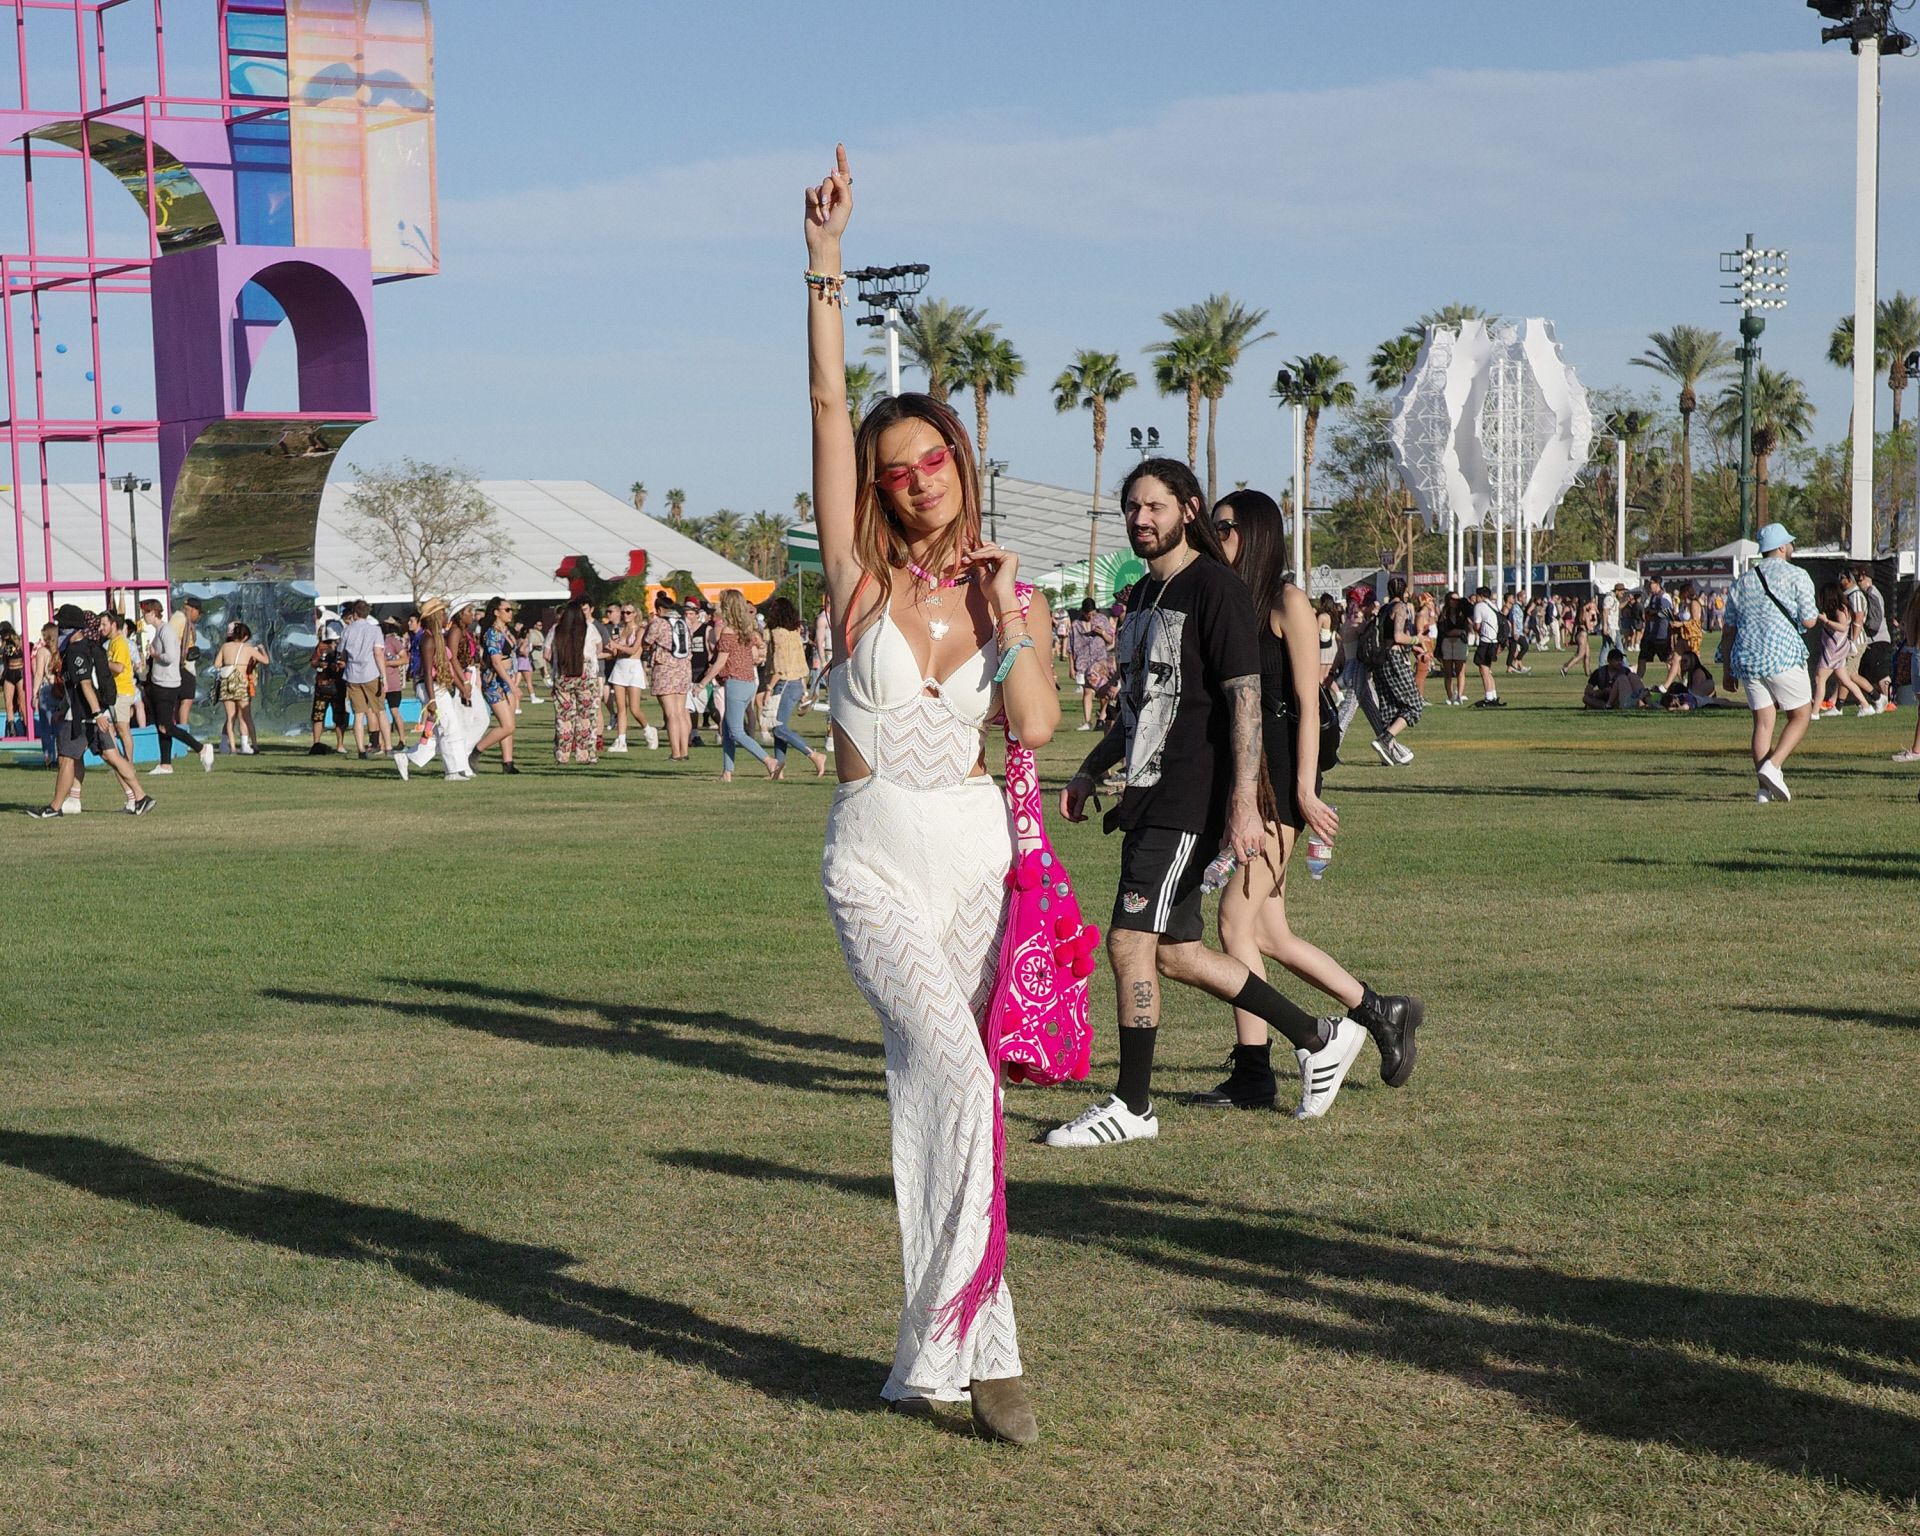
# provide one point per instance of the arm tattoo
(1245, 695)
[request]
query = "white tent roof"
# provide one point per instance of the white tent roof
(544, 520)
(1046, 525)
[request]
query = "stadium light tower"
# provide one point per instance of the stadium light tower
(888, 293)
(1759, 282)
(1866, 27)
(1145, 444)
(131, 483)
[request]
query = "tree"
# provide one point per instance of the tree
(1227, 328)
(1314, 383)
(638, 491)
(721, 533)
(988, 365)
(1393, 362)
(864, 386)
(1092, 380)
(676, 504)
(1450, 316)
(428, 524)
(933, 336)
(1183, 365)
(1782, 418)
(803, 506)
(1686, 354)
(765, 541)
(1896, 332)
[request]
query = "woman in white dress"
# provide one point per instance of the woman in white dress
(628, 680)
(936, 644)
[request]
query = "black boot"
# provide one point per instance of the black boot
(1391, 1021)
(1249, 1083)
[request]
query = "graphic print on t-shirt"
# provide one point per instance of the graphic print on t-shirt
(1149, 689)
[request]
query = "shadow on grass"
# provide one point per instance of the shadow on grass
(1525, 791)
(679, 1037)
(1838, 1013)
(522, 1280)
(1879, 864)
(1619, 1357)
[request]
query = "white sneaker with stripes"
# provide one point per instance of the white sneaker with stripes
(1322, 1073)
(1102, 1124)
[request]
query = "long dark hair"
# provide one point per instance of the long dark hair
(781, 614)
(489, 619)
(570, 642)
(1180, 479)
(1262, 530)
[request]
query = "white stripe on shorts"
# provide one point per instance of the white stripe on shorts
(1163, 907)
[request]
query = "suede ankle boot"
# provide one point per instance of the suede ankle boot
(1002, 1410)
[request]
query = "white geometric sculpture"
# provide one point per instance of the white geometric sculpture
(1492, 426)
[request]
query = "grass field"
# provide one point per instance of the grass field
(512, 1157)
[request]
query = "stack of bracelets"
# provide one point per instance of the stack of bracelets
(1009, 654)
(830, 287)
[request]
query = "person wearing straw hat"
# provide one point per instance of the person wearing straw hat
(1764, 647)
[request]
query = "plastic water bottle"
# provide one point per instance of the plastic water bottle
(1220, 871)
(1319, 852)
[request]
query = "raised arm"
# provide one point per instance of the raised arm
(828, 207)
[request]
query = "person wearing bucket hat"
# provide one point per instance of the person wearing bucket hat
(1769, 612)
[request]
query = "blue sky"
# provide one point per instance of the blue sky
(620, 296)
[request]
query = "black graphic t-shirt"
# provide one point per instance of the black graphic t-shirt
(1180, 642)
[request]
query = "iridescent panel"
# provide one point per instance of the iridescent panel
(280, 616)
(247, 504)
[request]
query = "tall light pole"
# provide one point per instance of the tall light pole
(1283, 389)
(1146, 444)
(131, 483)
(1759, 282)
(888, 293)
(1913, 367)
(1866, 27)
(995, 469)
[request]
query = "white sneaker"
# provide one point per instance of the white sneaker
(1101, 1124)
(161, 768)
(1383, 749)
(400, 762)
(1322, 1073)
(206, 756)
(1772, 780)
(1866, 709)
(1826, 714)
(1083, 727)
(246, 747)
(653, 738)
(619, 744)
(70, 806)
(1401, 753)
(1908, 756)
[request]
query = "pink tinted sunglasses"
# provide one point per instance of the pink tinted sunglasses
(898, 477)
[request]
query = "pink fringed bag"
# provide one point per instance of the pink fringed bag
(1036, 1024)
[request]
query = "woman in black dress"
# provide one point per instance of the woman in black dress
(1253, 909)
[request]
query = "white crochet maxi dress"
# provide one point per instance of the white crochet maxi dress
(916, 859)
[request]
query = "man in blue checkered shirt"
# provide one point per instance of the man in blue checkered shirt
(1769, 611)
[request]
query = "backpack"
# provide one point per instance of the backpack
(1502, 626)
(1876, 613)
(1369, 644)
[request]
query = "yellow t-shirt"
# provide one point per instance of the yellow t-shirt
(118, 654)
(789, 656)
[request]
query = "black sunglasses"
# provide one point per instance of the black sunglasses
(1224, 525)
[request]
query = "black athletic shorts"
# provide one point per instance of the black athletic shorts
(1655, 650)
(1160, 873)
(1486, 653)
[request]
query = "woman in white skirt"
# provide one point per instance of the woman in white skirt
(628, 680)
(450, 700)
(935, 646)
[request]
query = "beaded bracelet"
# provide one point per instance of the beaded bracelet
(830, 286)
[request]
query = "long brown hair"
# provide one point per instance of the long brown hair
(879, 545)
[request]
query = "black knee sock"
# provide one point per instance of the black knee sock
(1136, 1068)
(1299, 1026)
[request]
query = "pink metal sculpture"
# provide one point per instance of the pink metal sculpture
(307, 180)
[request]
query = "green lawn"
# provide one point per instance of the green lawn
(512, 1157)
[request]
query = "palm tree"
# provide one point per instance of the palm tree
(933, 335)
(988, 365)
(1314, 383)
(1183, 365)
(676, 504)
(1840, 354)
(1782, 417)
(1451, 316)
(1093, 379)
(803, 506)
(638, 491)
(765, 539)
(864, 386)
(721, 534)
(1393, 362)
(1896, 332)
(1687, 354)
(1227, 326)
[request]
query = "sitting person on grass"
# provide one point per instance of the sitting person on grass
(1612, 686)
